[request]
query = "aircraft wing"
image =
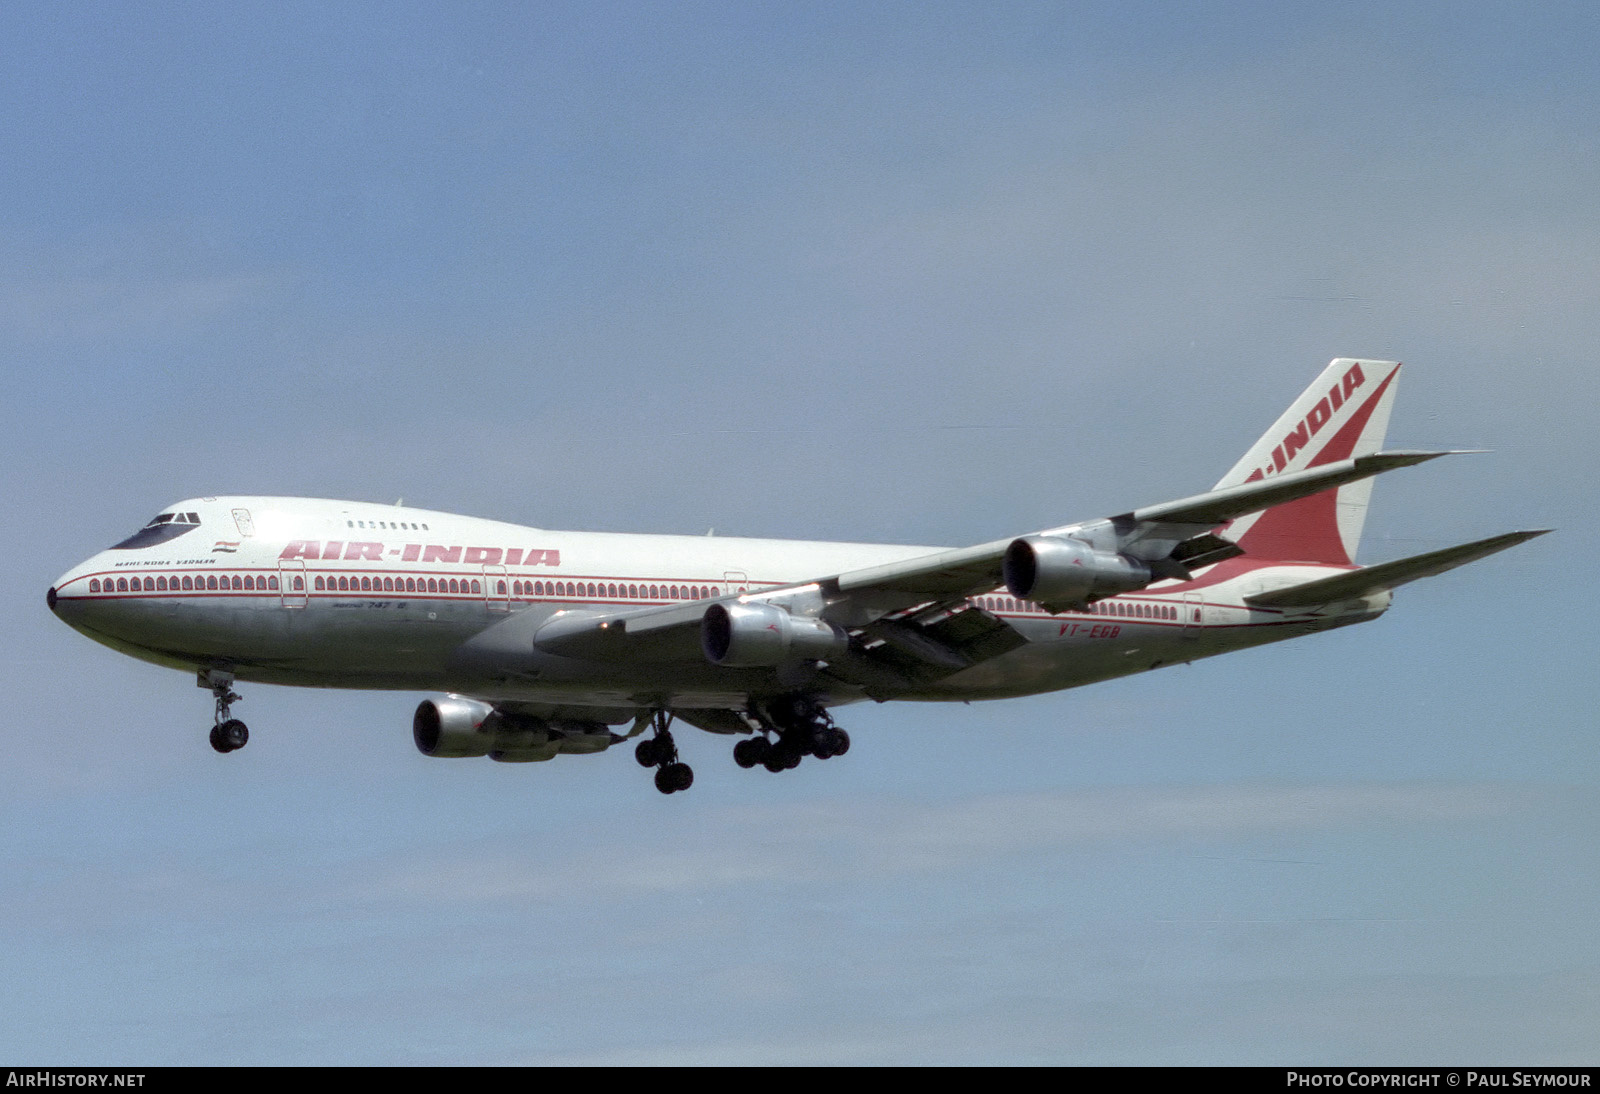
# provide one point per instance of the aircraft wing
(911, 620)
(1150, 534)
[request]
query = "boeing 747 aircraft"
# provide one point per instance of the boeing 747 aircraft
(544, 641)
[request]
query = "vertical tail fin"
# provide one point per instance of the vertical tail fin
(1344, 413)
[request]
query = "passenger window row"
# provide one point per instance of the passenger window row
(1121, 609)
(609, 590)
(367, 583)
(187, 583)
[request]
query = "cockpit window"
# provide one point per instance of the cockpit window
(162, 527)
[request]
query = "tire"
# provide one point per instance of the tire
(233, 735)
(751, 752)
(782, 758)
(825, 743)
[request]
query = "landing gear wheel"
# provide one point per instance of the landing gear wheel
(783, 756)
(674, 777)
(795, 726)
(661, 753)
(825, 742)
(749, 753)
(230, 736)
(831, 741)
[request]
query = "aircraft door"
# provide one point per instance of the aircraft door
(1191, 615)
(737, 582)
(497, 588)
(292, 585)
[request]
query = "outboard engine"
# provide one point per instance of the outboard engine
(1056, 571)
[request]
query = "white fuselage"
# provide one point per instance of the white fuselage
(347, 594)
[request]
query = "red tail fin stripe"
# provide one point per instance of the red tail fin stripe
(1307, 530)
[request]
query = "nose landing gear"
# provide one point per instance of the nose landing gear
(228, 734)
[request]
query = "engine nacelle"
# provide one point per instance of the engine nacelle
(456, 727)
(1054, 570)
(744, 635)
(453, 727)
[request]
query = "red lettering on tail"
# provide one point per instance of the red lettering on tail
(1354, 379)
(1307, 530)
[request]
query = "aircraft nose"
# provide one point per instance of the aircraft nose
(65, 596)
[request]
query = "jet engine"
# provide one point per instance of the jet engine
(744, 635)
(456, 727)
(452, 727)
(1054, 570)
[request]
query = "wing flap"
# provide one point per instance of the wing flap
(923, 646)
(1388, 575)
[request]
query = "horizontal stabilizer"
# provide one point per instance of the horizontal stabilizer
(1232, 501)
(1371, 579)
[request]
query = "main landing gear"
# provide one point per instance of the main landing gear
(661, 752)
(789, 729)
(800, 727)
(228, 734)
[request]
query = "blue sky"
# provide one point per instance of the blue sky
(911, 273)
